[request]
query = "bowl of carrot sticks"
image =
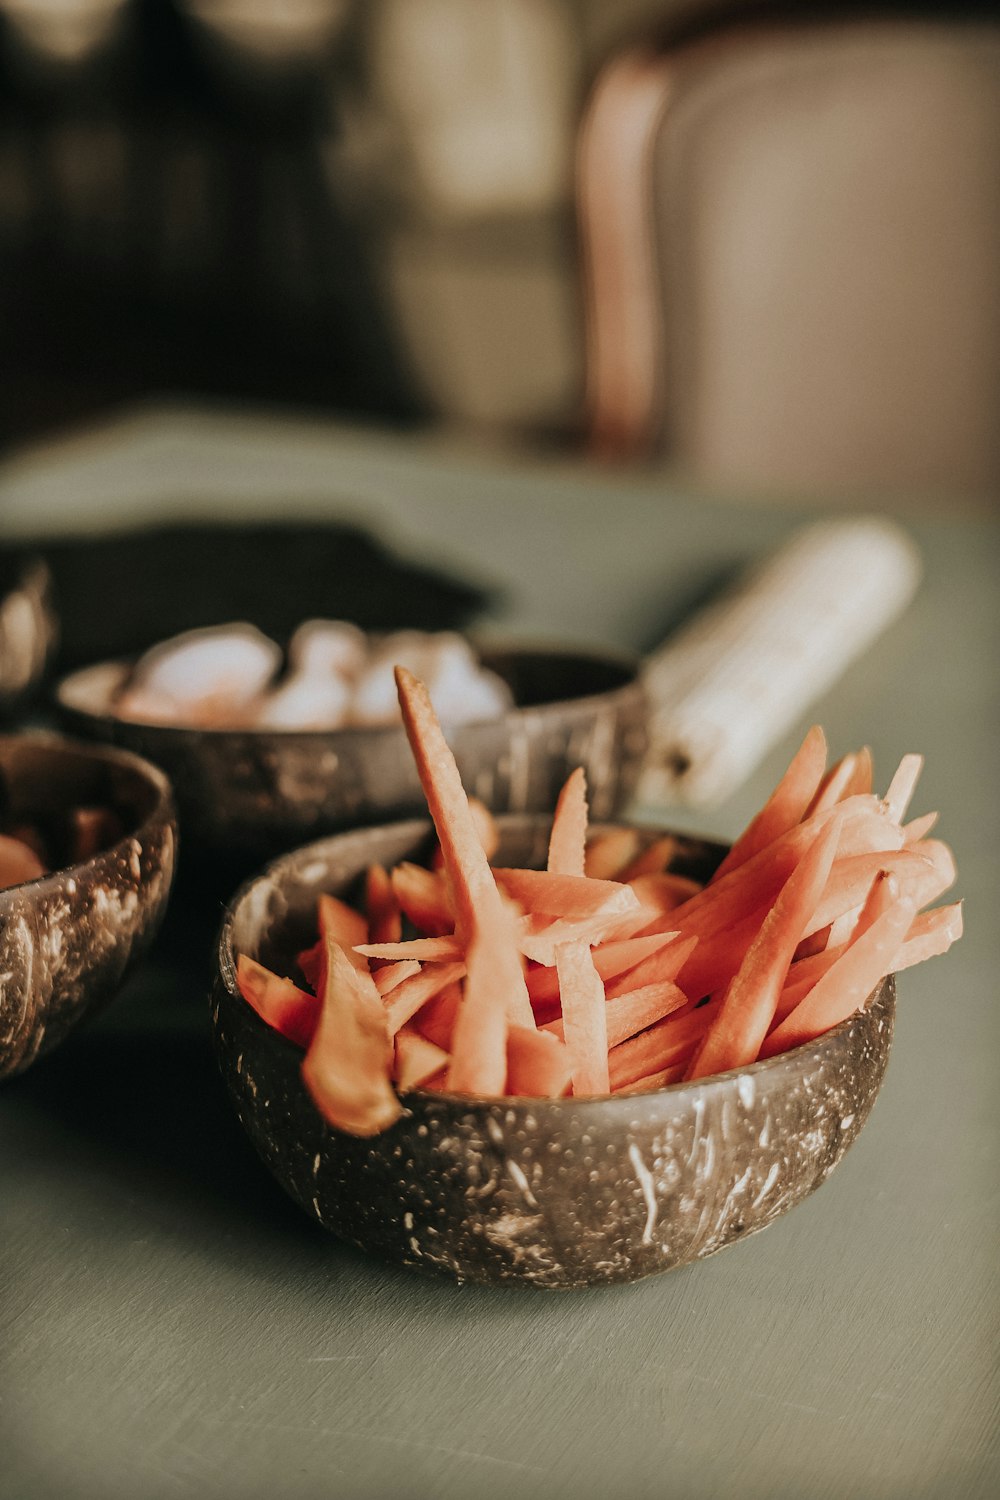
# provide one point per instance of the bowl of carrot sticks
(533, 1049)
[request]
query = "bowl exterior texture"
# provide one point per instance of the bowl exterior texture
(552, 1193)
(67, 941)
(256, 793)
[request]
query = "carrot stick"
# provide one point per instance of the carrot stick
(279, 1002)
(834, 784)
(914, 831)
(633, 1010)
(423, 949)
(664, 891)
(479, 1039)
(610, 852)
(786, 805)
(653, 860)
(347, 1066)
(662, 967)
(845, 986)
(417, 1059)
(584, 1021)
(547, 895)
(538, 1064)
(404, 1001)
(391, 974)
(423, 897)
(540, 938)
(610, 960)
(344, 926)
(733, 1040)
(902, 785)
(568, 838)
(385, 920)
(436, 1019)
(660, 1046)
(477, 902)
(486, 826)
(660, 1080)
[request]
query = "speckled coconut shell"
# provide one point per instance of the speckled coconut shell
(68, 940)
(256, 793)
(553, 1193)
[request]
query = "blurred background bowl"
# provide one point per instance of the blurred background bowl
(249, 794)
(68, 940)
(553, 1193)
(28, 626)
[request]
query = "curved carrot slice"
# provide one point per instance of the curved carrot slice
(347, 1067)
(279, 1002)
(568, 838)
(786, 805)
(538, 1064)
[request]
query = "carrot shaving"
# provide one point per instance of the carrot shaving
(568, 839)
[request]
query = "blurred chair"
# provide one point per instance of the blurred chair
(791, 247)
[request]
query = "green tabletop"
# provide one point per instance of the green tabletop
(171, 1325)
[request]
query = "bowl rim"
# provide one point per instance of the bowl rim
(628, 662)
(162, 811)
(789, 1060)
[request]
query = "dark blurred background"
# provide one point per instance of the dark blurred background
(372, 208)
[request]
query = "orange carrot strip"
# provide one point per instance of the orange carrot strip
(568, 838)
(902, 785)
(538, 1064)
(610, 852)
(584, 1018)
(278, 1001)
(845, 986)
(539, 938)
(850, 880)
(436, 1019)
(344, 926)
(423, 896)
(385, 920)
(610, 960)
(786, 805)
(633, 1011)
(653, 860)
(476, 899)
(426, 950)
(863, 777)
(734, 1038)
(661, 1046)
(403, 1002)
(661, 967)
(479, 1039)
(834, 784)
(661, 1080)
(931, 934)
(715, 960)
(486, 827)
(544, 894)
(347, 1066)
(417, 1059)
(665, 891)
(918, 828)
(391, 974)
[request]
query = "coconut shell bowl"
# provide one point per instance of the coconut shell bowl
(551, 1193)
(69, 937)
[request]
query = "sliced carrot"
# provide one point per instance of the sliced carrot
(786, 805)
(834, 785)
(539, 938)
(931, 934)
(417, 1059)
(734, 1038)
(660, 1046)
(653, 860)
(347, 1067)
(312, 964)
(845, 986)
(850, 880)
(436, 1019)
(278, 1001)
(664, 891)
(425, 950)
(392, 974)
(660, 1080)
(583, 1018)
(538, 1064)
(423, 897)
(716, 959)
(902, 785)
(479, 1039)
(610, 960)
(863, 776)
(568, 838)
(341, 924)
(914, 831)
(662, 967)
(610, 852)
(544, 894)
(402, 1003)
(633, 1010)
(486, 827)
(385, 919)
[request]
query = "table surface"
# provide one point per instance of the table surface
(170, 1324)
